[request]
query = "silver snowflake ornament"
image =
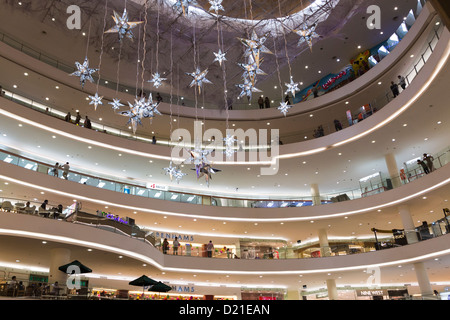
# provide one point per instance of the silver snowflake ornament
(284, 108)
(292, 87)
(123, 27)
(116, 104)
(157, 80)
(216, 5)
(84, 72)
(96, 100)
(199, 79)
(220, 57)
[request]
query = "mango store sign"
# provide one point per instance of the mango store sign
(155, 186)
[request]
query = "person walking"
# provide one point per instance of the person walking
(394, 89)
(87, 123)
(261, 102)
(175, 245)
(424, 166)
(209, 249)
(65, 169)
(428, 159)
(165, 246)
(402, 82)
(267, 103)
(337, 125)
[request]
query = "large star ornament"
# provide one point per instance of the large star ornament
(96, 101)
(157, 80)
(292, 87)
(84, 72)
(284, 108)
(248, 88)
(307, 35)
(123, 27)
(199, 79)
(255, 45)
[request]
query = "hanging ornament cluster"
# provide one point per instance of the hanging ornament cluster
(254, 47)
(174, 173)
(141, 109)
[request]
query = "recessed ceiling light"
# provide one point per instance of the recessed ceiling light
(26, 74)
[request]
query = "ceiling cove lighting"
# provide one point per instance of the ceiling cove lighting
(146, 259)
(304, 218)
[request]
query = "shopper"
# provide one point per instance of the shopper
(87, 123)
(55, 170)
(261, 102)
(78, 119)
(154, 140)
(287, 100)
(315, 92)
(175, 245)
(68, 117)
(337, 125)
(159, 99)
(209, 249)
(402, 82)
(428, 159)
(394, 89)
(165, 246)
(267, 103)
(424, 166)
(65, 169)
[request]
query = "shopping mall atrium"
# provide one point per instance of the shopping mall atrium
(225, 149)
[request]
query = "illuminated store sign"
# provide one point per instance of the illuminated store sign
(183, 289)
(172, 236)
(332, 80)
(370, 293)
(113, 217)
(155, 186)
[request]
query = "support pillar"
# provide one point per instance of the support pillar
(422, 279)
(58, 257)
(323, 242)
(332, 289)
(315, 194)
(293, 294)
(394, 173)
(408, 224)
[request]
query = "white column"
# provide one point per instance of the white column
(408, 224)
(58, 257)
(422, 279)
(323, 242)
(315, 194)
(332, 289)
(394, 173)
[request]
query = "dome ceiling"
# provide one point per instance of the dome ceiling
(176, 44)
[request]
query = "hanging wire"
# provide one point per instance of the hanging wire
(103, 41)
(145, 44)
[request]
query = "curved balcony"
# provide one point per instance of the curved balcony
(17, 225)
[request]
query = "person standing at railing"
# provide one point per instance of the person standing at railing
(402, 82)
(394, 89)
(261, 102)
(87, 123)
(424, 166)
(175, 245)
(165, 246)
(429, 161)
(78, 119)
(66, 168)
(209, 249)
(55, 169)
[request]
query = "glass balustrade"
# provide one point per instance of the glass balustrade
(411, 173)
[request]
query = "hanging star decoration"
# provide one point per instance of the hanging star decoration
(292, 87)
(229, 144)
(248, 88)
(255, 44)
(307, 35)
(96, 100)
(199, 79)
(184, 5)
(251, 70)
(134, 115)
(157, 80)
(284, 108)
(216, 5)
(116, 104)
(149, 108)
(84, 72)
(174, 172)
(220, 57)
(205, 170)
(123, 27)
